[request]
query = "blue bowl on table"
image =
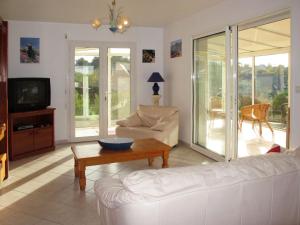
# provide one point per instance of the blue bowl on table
(116, 143)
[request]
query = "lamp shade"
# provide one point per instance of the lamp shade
(156, 77)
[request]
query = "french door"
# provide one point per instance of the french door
(214, 94)
(101, 89)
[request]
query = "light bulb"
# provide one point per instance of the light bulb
(96, 23)
(125, 21)
(120, 26)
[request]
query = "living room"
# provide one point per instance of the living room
(66, 35)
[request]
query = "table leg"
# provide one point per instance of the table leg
(165, 158)
(150, 161)
(82, 179)
(2, 167)
(76, 169)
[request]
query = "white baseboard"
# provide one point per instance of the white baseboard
(59, 142)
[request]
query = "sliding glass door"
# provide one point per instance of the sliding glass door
(100, 88)
(209, 93)
(241, 90)
(215, 94)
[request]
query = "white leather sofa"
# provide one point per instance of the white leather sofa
(252, 191)
(159, 122)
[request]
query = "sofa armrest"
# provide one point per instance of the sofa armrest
(173, 122)
(166, 124)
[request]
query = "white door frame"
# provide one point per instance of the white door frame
(228, 106)
(103, 83)
(233, 151)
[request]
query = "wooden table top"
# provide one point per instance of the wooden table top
(142, 146)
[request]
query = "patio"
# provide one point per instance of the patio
(249, 140)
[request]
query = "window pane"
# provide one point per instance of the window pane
(86, 84)
(245, 81)
(209, 93)
(118, 86)
(271, 85)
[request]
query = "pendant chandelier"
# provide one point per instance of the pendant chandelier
(117, 22)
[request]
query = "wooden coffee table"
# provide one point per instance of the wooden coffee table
(92, 154)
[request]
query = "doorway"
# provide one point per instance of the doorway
(263, 80)
(101, 88)
(240, 81)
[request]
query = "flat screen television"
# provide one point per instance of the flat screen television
(27, 94)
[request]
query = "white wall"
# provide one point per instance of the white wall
(230, 12)
(54, 59)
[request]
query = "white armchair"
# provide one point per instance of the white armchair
(159, 122)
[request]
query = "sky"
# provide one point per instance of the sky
(273, 60)
(35, 42)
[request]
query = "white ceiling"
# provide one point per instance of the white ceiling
(274, 37)
(156, 13)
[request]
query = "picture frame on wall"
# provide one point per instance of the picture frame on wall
(176, 49)
(148, 56)
(29, 50)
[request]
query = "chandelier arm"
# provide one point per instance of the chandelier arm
(116, 20)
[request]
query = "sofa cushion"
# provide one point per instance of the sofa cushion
(132, 121)
(112, 194)
(157, 183)
(157, 111)
(151, 114)
(275, 149)
(147, 120)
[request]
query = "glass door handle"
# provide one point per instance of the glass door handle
(106, 95)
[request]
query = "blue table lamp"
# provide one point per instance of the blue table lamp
(155, 77)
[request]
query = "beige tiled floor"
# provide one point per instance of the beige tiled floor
(250, 142)
(42, 190)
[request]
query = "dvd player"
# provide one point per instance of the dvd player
(25, 127)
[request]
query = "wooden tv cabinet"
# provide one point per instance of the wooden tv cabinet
(31, 133)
